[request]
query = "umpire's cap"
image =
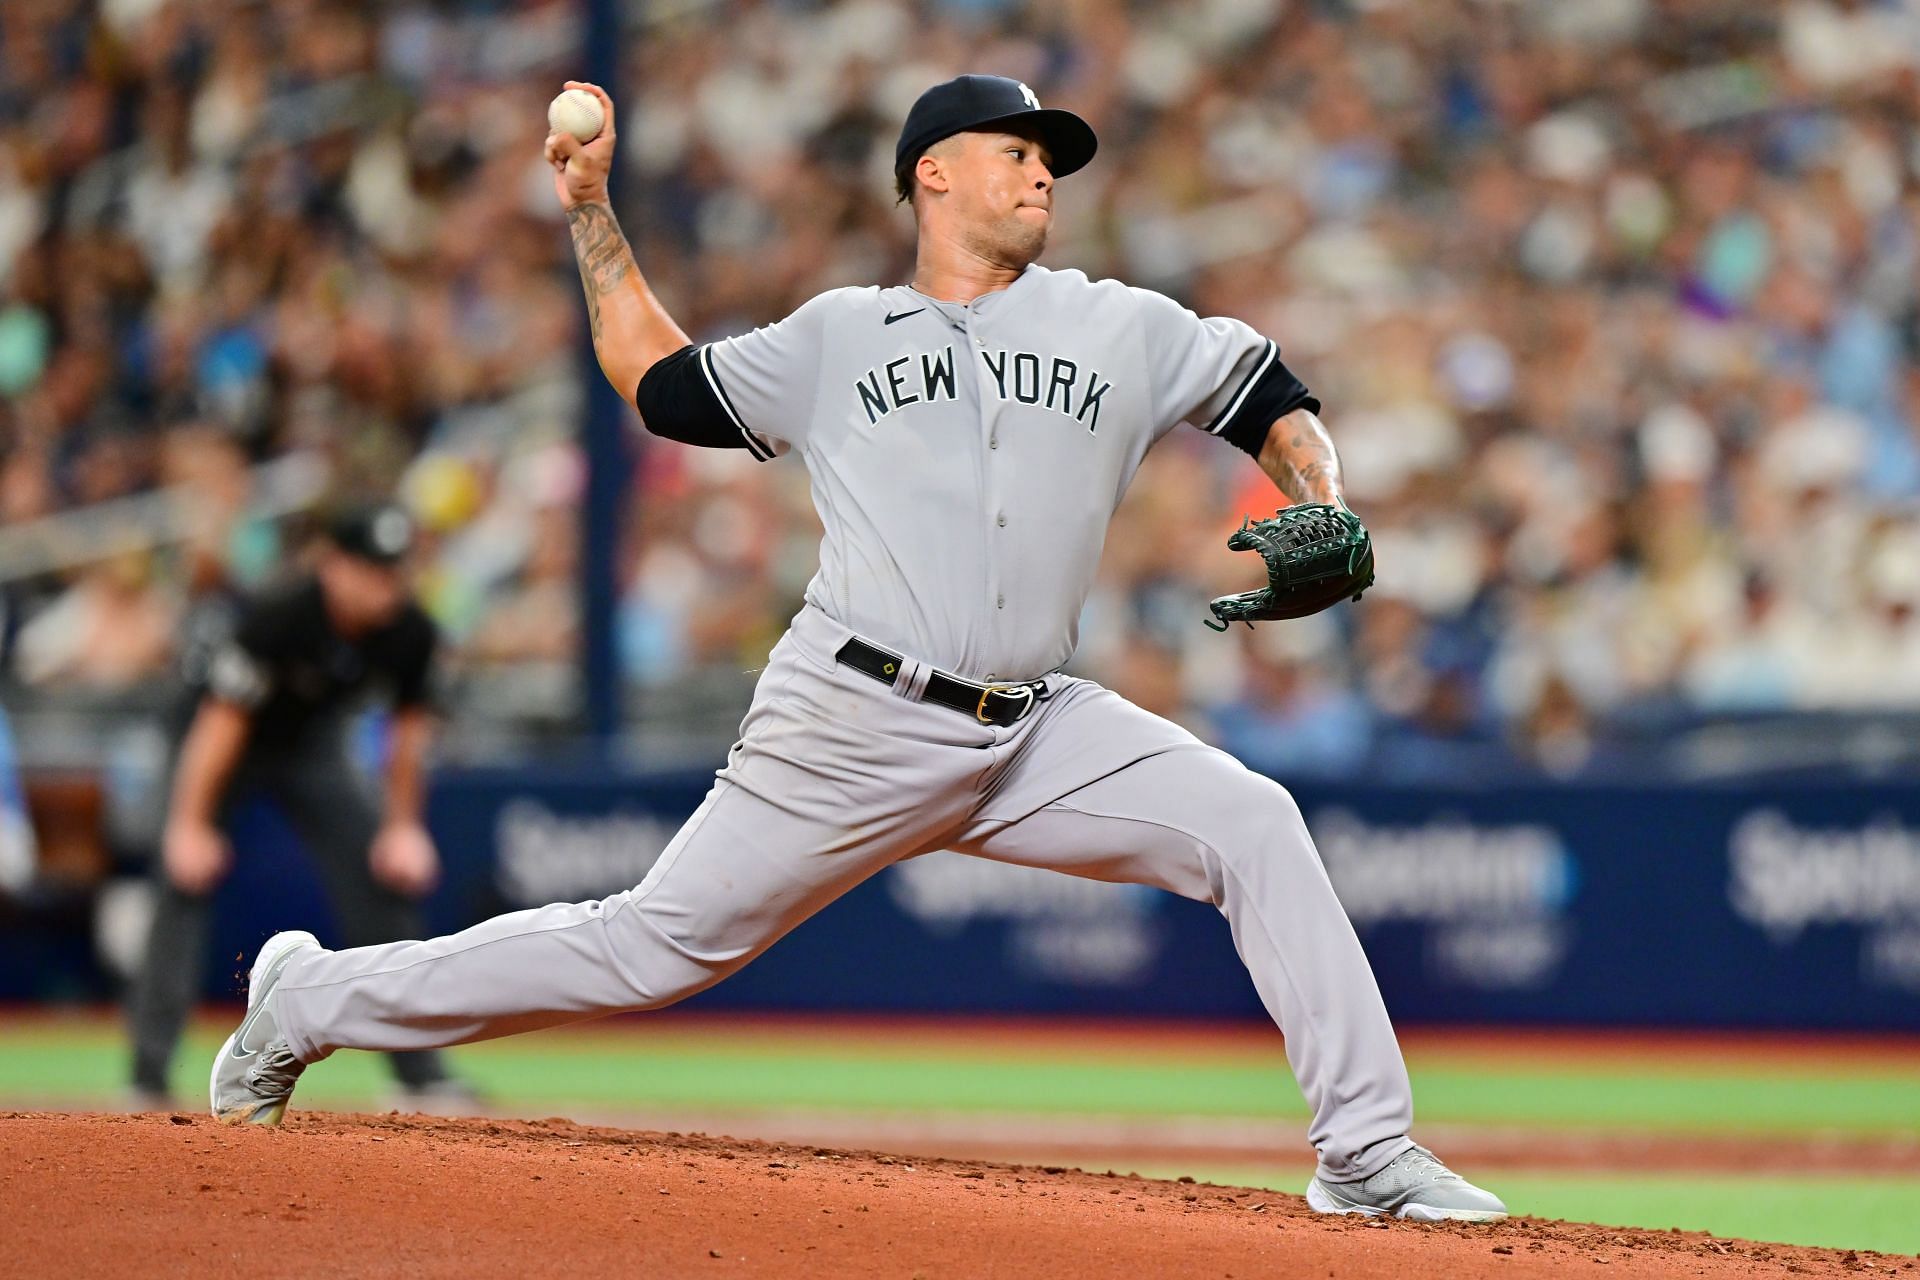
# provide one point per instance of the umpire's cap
(378, 532)
(976, 102)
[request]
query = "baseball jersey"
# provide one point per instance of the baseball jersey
(965, 460)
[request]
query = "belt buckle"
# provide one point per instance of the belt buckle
(980, 710)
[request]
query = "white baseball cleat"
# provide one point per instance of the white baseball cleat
(1416, 1186)
(254, 1072)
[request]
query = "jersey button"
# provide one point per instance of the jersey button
(1000, 602)
(1002, 521)
(993, 442)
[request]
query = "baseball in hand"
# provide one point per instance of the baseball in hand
(576, 112)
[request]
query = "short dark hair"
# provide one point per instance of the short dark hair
(903, 180)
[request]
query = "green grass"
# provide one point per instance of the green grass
(723, 1068)
(1649, 1096)
(1837, 1212)
(1844, 1213)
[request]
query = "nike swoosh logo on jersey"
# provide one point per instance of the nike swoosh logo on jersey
(903, 315)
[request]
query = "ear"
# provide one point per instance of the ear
(931, 172)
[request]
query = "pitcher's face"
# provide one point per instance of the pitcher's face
(1000, 193)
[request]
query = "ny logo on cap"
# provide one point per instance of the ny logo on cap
(1029, 96)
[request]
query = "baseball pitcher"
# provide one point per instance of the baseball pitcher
(968, 436)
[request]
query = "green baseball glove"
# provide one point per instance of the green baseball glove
(1316, 554)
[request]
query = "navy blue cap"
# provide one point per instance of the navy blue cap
(378, 532)
(977, 102)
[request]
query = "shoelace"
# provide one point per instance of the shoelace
(1416, 1159)
(276, 1071)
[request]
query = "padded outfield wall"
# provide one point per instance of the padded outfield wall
(1737, 907)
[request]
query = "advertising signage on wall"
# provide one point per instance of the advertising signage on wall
(1603, 906)
(1855, 877)
(1494, 900)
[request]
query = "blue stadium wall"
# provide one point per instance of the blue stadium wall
(1726, 907)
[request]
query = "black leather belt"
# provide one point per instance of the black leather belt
(987, 703)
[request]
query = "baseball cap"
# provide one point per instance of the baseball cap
(975, 102)
(379, 532)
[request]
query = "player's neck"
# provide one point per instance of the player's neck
(951, 272)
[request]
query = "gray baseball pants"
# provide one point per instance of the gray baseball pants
(836, 777)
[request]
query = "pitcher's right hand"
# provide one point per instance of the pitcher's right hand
(580, 169)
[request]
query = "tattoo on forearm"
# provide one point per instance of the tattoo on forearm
(1301, 461)
(605, 257)
(1304, 484)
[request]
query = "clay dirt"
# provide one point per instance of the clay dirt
(355, 1195)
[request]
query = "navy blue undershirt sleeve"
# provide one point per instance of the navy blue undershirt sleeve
(677, 402)
(1277, 393)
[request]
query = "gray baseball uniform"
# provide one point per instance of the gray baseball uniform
(965, 461)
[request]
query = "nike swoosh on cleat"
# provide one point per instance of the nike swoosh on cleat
(240, 1051)
(903, 315)
(253, 1014)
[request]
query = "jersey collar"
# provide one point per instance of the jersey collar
(983, 305)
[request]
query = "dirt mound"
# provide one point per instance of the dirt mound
(363, 1195)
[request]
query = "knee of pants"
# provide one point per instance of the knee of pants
(665, 955)
(1252, 820)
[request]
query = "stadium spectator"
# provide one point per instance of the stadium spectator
(1614, 309)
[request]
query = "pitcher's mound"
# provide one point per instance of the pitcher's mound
(345, 1195)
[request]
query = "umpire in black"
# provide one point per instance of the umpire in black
(268, 716)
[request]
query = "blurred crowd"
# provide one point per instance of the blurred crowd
(1614, 308)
